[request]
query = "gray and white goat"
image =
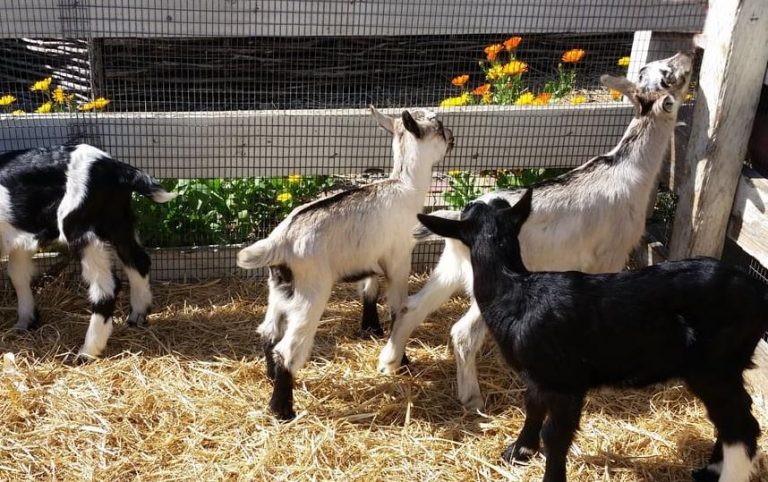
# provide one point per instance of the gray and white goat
(588, 219)
(351, 236)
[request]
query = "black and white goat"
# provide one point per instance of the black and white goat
(350, 236)
(77, 195)
(588, 219)
(569, 332)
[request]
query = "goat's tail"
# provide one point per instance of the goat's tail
(420, 232)
(263, 252)
(146, 185)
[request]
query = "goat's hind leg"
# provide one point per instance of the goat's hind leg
(369, 294)
(272, 328)
(136, 263)
(20, 270)
(730, 408)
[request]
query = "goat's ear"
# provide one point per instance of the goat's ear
(385, 122)
(448, 228)
(627, 88)
(521, 210)
(411, 125)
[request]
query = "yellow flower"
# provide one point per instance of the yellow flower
(492, 51)
(7, 100)
(495, 72)
(18, 112)
(688, 97)
(45, 108)
(294, 179)
(615, 94)
(512, 42)
(525, 99)
(487, 98)
(99, 103)
(59, 96)
(454, 172)
(460, 80)
(542, 99)
(284, 197)
(623, 62)
(459, 101)
(41, 85)
(573, 56)
(515, 67)
(579, 99)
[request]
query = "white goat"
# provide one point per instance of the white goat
(588, 219)
(350, 236)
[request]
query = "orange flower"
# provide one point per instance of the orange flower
(512, 42)
(482, 90)
(542, 98)
(460, 80)
(615, 94)
(492, 51)
(515, 67)
(573, 56)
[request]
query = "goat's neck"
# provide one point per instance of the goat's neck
(414, 173)
(497, 271)
(643, 146)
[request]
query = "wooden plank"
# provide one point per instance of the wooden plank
(729, 88)
(275, 143)
(749, 217)
(215, 18)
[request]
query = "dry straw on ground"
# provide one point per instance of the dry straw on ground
(184, 400)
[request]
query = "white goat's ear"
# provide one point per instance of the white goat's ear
(447, 228)
(625, 86)
(411, 125)
(385, 122)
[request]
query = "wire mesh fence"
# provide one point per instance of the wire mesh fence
(250, 108)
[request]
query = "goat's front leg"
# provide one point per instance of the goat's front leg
(468, 335)
(96, 262)
(369, 293)
(20, 270)
(292, 351)
(527, 443)
(564, 412)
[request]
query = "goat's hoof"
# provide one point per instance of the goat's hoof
(137, 320)
(28, 325)
(404, 361)
(705, 474)
(473, 403)
(371, 331)
(283, 412)
(84, 358)
(518, 454)
(388, 368)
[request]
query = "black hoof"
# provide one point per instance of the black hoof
(283, 412)
(705, 475)
(137, 320)
(404, 362)
(371, 331)
(35, 322)
(518, 454)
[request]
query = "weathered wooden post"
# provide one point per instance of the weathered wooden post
(735, 56)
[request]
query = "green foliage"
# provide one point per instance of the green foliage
(463, 189)
(563, 84)
(224, 211)
(464, 185)
(514, 178)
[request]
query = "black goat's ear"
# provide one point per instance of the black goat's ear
(448, 228)
(521, 210)
(411, 125)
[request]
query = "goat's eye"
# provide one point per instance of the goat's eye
(668, 103)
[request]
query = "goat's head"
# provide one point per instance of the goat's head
(489, 230)
(661, 88)
(417, 135)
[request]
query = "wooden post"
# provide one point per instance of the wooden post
(736, 52)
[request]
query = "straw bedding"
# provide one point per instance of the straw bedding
(185, 400)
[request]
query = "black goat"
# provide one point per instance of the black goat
(566, 333)
(77, 195)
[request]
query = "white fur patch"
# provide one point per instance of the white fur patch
(737, 466)
(78, 172)
(12, 238)
(20, 270)
(141, 294)
(97, 336)
(97, 271)
(164, 196)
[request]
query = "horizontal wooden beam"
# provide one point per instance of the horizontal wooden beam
(290, 18)
(276, 143)
(748, 225)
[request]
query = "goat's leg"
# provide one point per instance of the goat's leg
(273, 326)
(730, 408)
(136, 263)
(527, 443)
(292, 351)
(564, 412)
(20, 270)
(369, 293)
(711, 473)
(96, 262)
(443, 282)
(468, 335)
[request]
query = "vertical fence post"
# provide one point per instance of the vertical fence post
(736, 52)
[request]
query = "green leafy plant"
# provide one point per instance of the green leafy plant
(463, 189)
(464, 185)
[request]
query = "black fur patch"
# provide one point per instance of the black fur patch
(281, 402)
(355, 277)
(283, 278)
(327, 201)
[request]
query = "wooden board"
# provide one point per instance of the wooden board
(216, 18)
(275, 143)
(748, 224)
